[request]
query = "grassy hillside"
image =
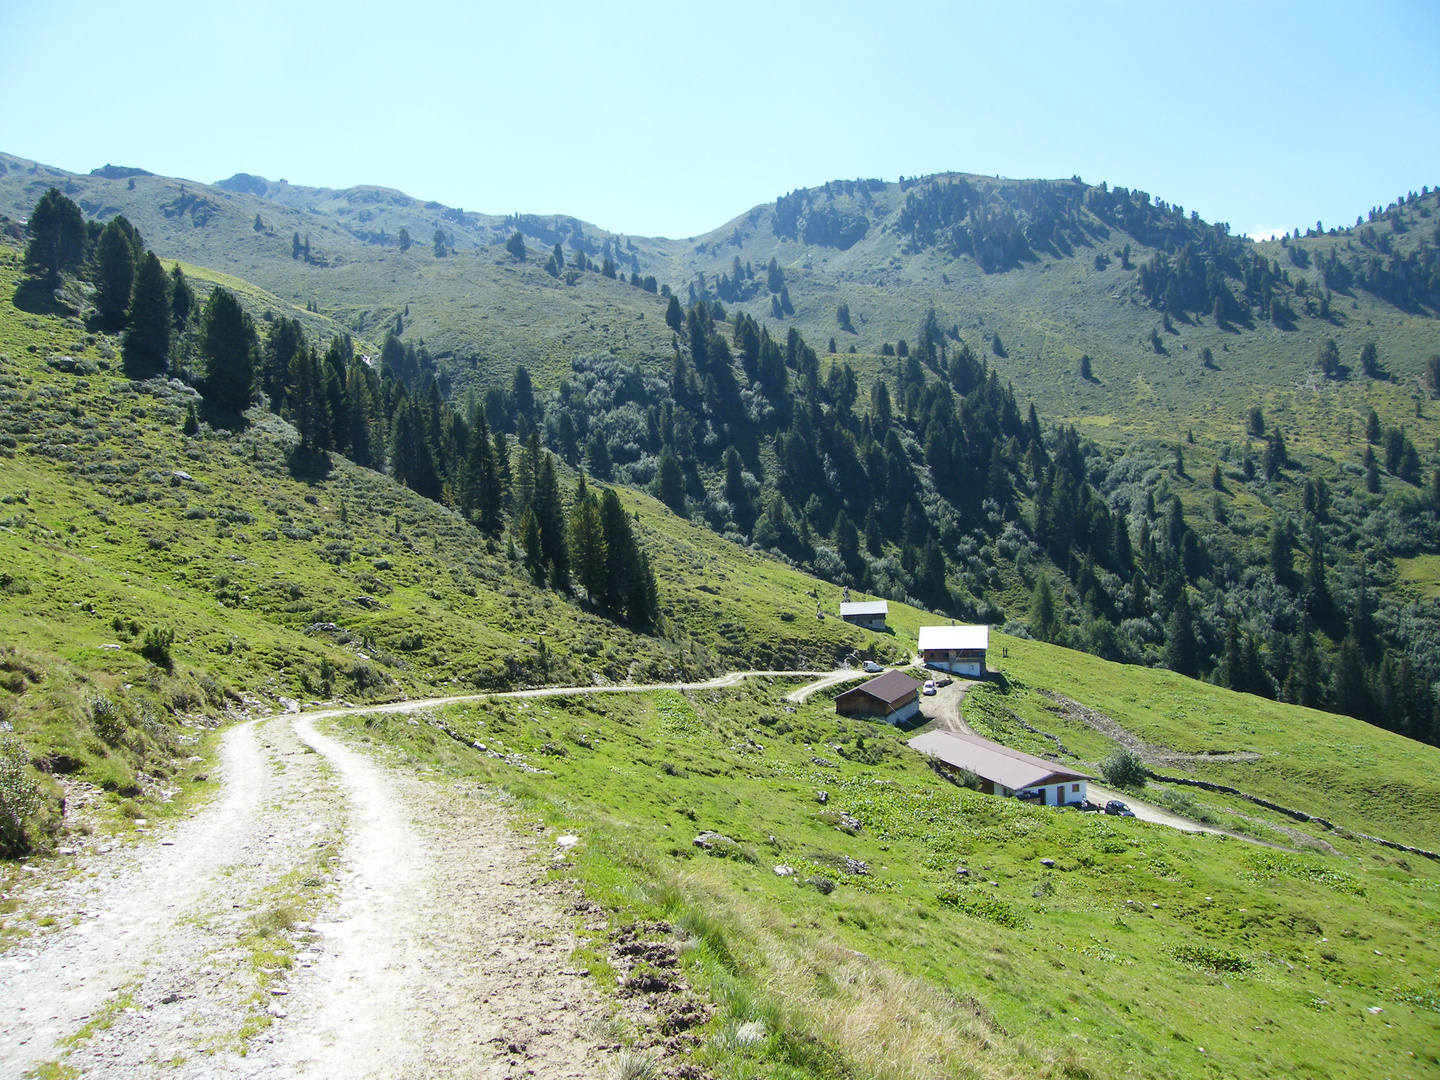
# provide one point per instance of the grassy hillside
(842, 935)
(286, 583)
(1048, 298)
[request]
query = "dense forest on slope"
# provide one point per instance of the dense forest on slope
(930, 485)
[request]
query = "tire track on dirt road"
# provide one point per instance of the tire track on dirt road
(126, 905)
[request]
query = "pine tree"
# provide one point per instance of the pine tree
(57, 237)
(362, 434)
(228, 346)
(550, 515)
(1352, 688)
(441, 248)
(295, 245)
(283, 342)
(112, 270)
(1042, 610)
(403, 237)
(587, 543)
(192, 421)
(411, 460)
(504, 478)
(1182, 651)
(674, 315)
(307, 404)
(597, 456)
(516, 245)
(146, 345)
(670, 481)
(182, 298)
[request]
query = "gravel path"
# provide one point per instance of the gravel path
(436, 947)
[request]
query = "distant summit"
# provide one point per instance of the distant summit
(246, 184)
(119, 172)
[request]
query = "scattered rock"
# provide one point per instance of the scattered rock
(821, 884)
(784, 870)
(822, 797)
(849, 824)
(820, 761)
(709, 840)
(1047, 863)
(961, 871)
(567, 841)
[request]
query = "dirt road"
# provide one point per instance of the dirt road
(441, 948)
(325, 916)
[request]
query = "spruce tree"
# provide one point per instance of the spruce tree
(587, 543)
(411, 459)
(57, 237)
(146, 344)
(1182, 650)
(227, 346)
(362, 435)
(112, 270)
(516, 245)
(306, 402)
(670, 481)
(550, 515)
(283, 342)
(674, 316)
(182, 298)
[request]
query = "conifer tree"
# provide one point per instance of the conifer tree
(112, 270)
(504, 478)
(674, 316)
(587, 542)
(306, 402)
(1042, 610)
(550, 516)
(228, 346)
(411, 459)
(363, 434)
(182, 298)
(403, 238)
(516, 245)
(670, 481)
(57, 237)
(146, 345)
(597, 456)
(283, 342)
(1182, 650)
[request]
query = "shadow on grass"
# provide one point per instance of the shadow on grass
(309, 466)
(36, 296)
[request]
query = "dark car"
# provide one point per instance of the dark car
(1116, 808)
(944, 680)
(1090, 807)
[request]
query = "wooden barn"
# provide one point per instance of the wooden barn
(870, 614)
(892, 697)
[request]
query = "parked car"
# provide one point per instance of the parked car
(944, 680)
(1090, 807)
(1116, 808)
(872, 667)
(929, 688)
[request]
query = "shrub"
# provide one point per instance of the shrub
(1124, 769)
(156, 647)
(108, 719)
(21, 800)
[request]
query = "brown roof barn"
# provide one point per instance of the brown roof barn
(893, 697)
(1003, 771)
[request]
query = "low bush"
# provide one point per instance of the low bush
(21, 800)
(1123, 769)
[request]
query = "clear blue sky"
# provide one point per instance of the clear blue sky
(669, 119)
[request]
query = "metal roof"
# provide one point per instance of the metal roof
(954, 637)
(890, 687)
(991, 761)
(865, 607)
